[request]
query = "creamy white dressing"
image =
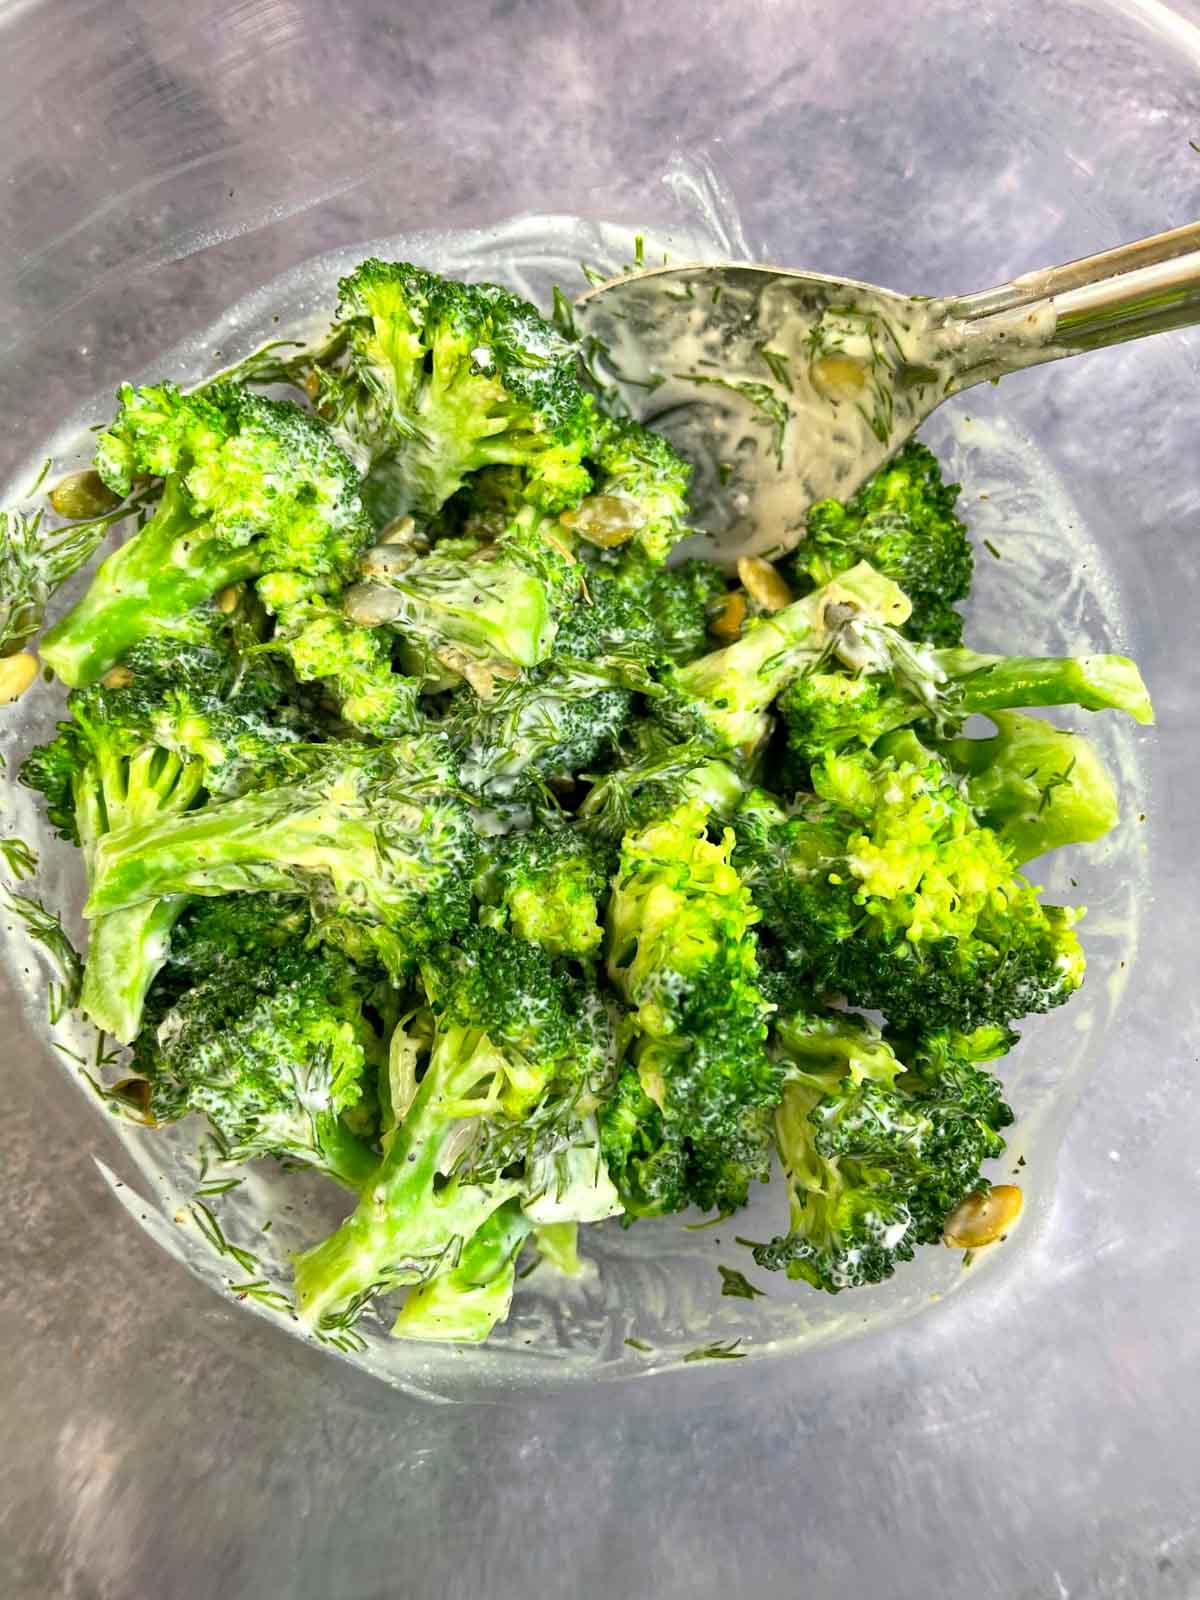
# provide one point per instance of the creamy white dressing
(1051, 592)
(783, 389)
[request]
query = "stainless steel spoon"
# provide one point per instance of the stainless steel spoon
(783, 387)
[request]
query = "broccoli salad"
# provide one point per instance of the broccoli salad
(448, 831)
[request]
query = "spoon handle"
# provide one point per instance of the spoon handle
(1046, 282)
(1127, 293)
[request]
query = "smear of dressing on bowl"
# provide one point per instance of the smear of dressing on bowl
(656, 1284)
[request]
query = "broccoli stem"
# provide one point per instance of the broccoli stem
(125, 952)
(344, 1156)
(252, 842)
(404, 1225)
(464, 1305)
(1035, 785)
(740, 681)
(558, 1244)
(1097, 683)
(145, 587)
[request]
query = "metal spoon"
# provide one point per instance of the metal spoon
(784, 387)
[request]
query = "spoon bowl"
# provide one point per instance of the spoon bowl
(784, 387)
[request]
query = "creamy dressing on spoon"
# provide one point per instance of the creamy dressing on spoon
(784, 388)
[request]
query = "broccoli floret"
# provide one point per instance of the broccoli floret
(681, 599)
(500, 603)
(645, 1155)
(435, 380)
(551, 723)
(903, 522)
(1035, 785)
(251, 486)
(323, 645)
(274, 1051)
(883, 682)
(680, 949)
(546, 884)
(877, 1145)
(139, 749)
(518, 1045)
(655, 776)
(215, 935)
(376, 838)
(884, 887)
(608, 618)
(723, 697)
(640, 504)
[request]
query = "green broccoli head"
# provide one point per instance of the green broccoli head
(376, 838)
(549, 724)
(681, 951)
(251, 486)
(903, 522)
(878, 1145)
(496, 604)
(826, 712)
(547, 884)
(608, 618)
(274, 1052)
(883, 887)
(645, 1153)
(879, 681)
(322, 644)
(140, 747)
(218, 934)
(651, 779)
(681, 599)
(641, 501)
(521, 1047)
(547, 1024)
(438, 380)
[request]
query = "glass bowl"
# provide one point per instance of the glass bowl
(166, 164)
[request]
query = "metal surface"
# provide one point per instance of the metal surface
(1036, 1437)
(783, 387)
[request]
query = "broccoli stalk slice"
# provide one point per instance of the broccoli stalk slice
(342, 1155)
(462, 1306)
(383, 852)
(727, 692)
(997, 683)
(1037, 786)
(252, 842)
(405, 1226)
(125, 952)
(898, 683)
(557, 1243)
(147, 586)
